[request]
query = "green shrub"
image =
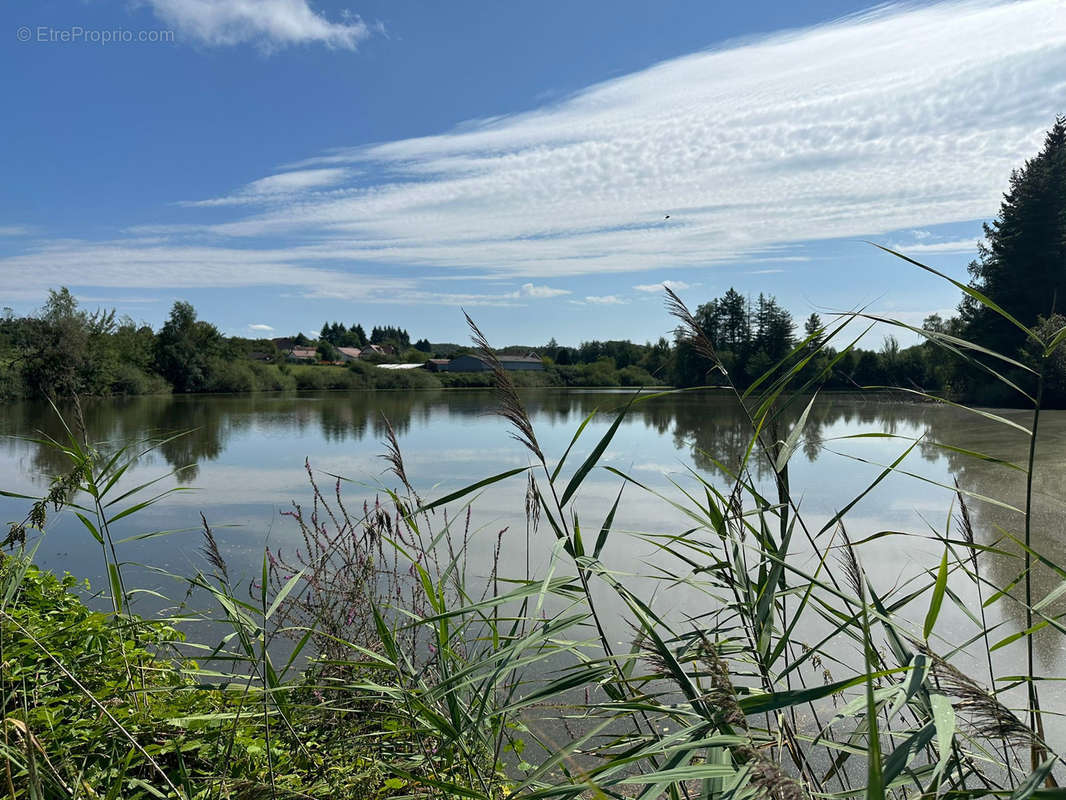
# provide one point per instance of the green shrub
(128, 379)
(96, 702)
(230, 376)
(272, 377)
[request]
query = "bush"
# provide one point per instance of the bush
(209, 740)
(405, 379)
(271, 377)
(230, 376)
(129, 380)
(636, 376)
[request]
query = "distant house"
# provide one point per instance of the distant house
(284, 343)
(530, 361)
(472, 363)
(436, 364)
(372, 350)
(304, 354)
(349, 353)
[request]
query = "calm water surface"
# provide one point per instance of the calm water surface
(249, 452)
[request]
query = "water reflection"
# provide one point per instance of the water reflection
(245, 452)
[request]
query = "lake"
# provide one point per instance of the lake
(243, 465)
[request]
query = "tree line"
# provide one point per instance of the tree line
(337, 335)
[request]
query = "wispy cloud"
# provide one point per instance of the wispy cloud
(926, 246)
(267, 23)
(124, 299)
(606, 300)
(677, 286)
(15, 230)
(900, 119)
(282, 186)
(258, 326)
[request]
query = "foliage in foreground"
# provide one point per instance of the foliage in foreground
(101, 706)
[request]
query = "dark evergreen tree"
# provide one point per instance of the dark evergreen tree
(1022, 263)
(812, 329)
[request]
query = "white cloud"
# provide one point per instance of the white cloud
(606, 300)
(530, 290)
(15, 230)
(268, 23)
(279, 187)
(257, 326)
(900, 119)
(677, 286)
(925, 246)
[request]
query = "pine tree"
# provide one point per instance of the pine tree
(1022, 263)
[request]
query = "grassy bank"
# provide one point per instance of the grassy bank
(794, 673)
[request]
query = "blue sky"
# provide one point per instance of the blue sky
(279, 163)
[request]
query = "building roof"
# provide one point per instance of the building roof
(351, 352)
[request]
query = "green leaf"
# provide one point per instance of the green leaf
(281, 595)
(601, 540)
(790, 443)
(116, 586)
(89, 526)
(1033, 782)
(976, 295)
(902, 755)
(594, 456)
(573, 441)
(938, 597)
(944, 720)
(471, 488)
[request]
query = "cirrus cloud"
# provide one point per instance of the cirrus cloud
(899, 119)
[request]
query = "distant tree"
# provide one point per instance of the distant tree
(773, 330)
(327, 352)
(812, 329)
(65, 351)
(735, 333)
(934, 323)
(389, 335)
(359, 335)
(185, 348)
(424, 346)
(300, 340)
